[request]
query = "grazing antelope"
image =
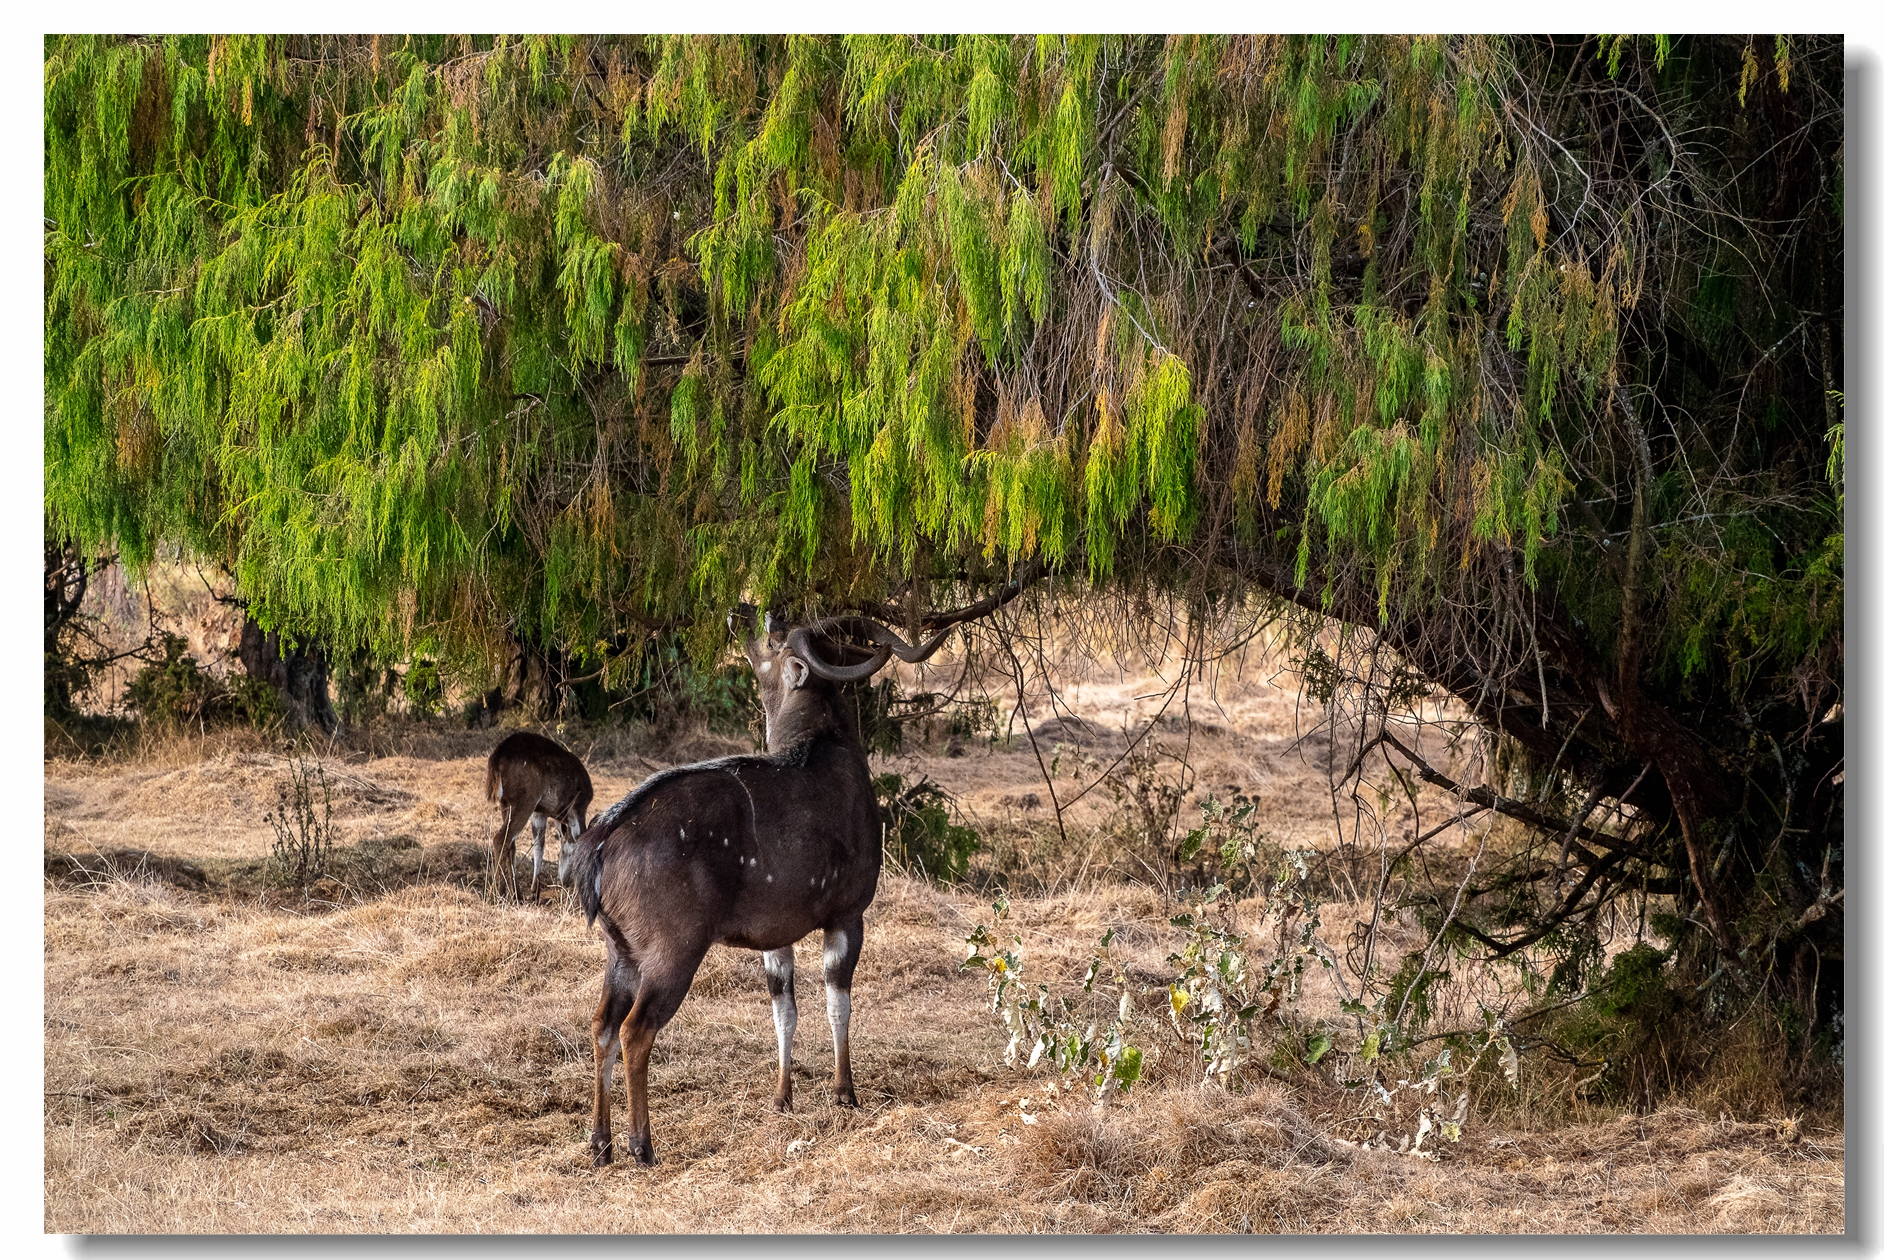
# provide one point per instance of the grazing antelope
(756, 851)
(533, 777)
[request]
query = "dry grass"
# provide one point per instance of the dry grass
(402, 1055)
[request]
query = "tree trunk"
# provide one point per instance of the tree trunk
(538, 675)
(297, 673)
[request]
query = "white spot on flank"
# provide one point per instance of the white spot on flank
(683, 833)
(768, 879)
(724, 841)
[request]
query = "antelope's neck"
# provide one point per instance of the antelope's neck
(810, 722)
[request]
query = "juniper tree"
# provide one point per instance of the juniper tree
(1522, 353)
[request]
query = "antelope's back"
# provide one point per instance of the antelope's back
(759, 847)
(536, 763)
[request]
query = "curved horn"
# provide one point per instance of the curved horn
(886, 637)
(880, 634)
(799, 641)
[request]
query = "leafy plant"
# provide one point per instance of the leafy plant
(917, 831)
(1073, 1041)
(174, 690)
(1230, 840)
(177, 691)
(1235, 1010)
(363, 687)
(1221, 993)
(424, 688)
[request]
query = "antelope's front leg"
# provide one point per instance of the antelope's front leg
(841, 948)
(779, 981)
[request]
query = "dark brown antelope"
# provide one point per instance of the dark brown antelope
(534, 778)
(756, 851)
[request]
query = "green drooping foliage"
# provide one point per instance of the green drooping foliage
(1524, 352)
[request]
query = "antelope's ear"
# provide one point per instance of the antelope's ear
(740, 621)
(796, 672)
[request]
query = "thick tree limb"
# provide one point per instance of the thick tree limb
(1491, 800)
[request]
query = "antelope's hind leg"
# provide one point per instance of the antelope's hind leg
(539, 825)
(619, 983)
(842, 945)
(779, 981)
(503, 873)
(664, 981)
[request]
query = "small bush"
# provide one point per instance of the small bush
(253, 701)
(425, 690)
(917, 832)
(177, 691)
(1146, 802)
(1072, 1036)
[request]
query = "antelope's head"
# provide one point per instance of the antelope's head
(799, 668)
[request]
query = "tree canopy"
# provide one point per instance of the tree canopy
(1523, 352)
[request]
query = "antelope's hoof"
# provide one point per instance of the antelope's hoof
(847, 1097)
(602, 1151)
(783, 1103)
(643, 1151)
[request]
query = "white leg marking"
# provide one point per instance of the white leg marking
(836, 1000)
(785, 1023)
(778, 966)
(837, 1009)
(605, 1047)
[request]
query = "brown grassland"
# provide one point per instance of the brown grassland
(400, 1054)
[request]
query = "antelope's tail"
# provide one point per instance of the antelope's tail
(491, 783)
(586, 871)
